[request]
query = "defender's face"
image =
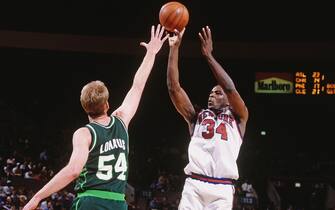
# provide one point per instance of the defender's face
(217, 98)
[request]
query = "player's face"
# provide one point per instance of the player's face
(217, 98)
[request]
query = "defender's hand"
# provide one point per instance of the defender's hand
(156, 40)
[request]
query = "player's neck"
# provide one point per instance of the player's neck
(219, 110)
(103, 119)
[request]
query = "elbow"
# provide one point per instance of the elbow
(74, 172)
(244, 116)
(229, 88)
(173, 87)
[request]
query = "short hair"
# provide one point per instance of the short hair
(93, 98)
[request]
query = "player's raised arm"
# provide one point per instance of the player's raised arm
(223, 79)
(177, 94)
(130, 104)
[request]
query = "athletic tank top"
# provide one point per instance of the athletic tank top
(214, 145)
(107, 164)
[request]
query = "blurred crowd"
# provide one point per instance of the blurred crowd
(23, 172)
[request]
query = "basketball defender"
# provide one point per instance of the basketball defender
(99, 158)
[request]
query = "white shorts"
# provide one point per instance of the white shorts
(199, 195)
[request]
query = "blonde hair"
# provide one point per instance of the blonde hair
(94, 97)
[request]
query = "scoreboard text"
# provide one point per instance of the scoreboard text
(314, 83)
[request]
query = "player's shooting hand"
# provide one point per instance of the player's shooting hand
(206, 41)
(175, 39)
(156, 40)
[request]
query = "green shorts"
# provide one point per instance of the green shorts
(88, 202)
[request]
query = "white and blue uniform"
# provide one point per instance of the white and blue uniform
(212, 167)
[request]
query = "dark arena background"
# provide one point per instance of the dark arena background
(49, 50)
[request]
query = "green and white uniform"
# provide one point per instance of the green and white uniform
(102, 182)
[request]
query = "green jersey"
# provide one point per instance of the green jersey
(106, 168)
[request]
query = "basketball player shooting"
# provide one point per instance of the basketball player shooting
(216, 132)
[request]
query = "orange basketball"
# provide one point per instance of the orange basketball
(173, 15)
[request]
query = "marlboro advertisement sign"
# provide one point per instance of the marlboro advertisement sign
(274, 82)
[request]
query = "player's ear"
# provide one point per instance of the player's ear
(107, 106)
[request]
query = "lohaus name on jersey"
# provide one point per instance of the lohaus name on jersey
(112, 144)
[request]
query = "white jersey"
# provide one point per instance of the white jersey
(214, 145)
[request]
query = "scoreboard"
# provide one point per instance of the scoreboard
(315, 83)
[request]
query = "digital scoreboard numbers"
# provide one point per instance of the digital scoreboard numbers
(314, 83)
